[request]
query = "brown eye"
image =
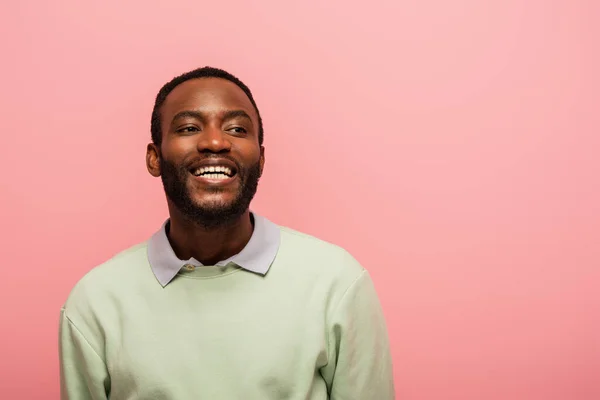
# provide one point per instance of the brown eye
(188, 129)
(238, 129)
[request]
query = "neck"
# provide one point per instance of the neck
(208, 245)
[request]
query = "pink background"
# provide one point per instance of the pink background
(451, 146)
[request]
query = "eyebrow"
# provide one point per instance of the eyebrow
(188, 114)
(231, 114)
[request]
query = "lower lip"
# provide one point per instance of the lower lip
(214, 182)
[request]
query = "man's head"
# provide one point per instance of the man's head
(206, 146)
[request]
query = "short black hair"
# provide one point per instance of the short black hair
(204, 72)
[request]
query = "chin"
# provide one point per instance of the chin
(214, 200)
(212, 205)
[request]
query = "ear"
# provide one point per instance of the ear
(153, 160)
(262, 159)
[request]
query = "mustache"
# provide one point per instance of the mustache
(192, 161)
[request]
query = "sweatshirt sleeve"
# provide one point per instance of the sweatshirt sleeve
(83, 373)
(360, 365)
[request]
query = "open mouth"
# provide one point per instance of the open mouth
(216, 172)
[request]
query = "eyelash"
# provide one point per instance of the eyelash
(243, 130)
(187, 129)
(190, 129)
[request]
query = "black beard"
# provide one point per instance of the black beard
(174, 182)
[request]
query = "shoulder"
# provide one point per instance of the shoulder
(94, 301)
(106, 277)
(324, 257)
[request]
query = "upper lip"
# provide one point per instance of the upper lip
(213, 162)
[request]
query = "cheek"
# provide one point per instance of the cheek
(176, 149)
(249, 153)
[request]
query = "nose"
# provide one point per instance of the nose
(214, 140)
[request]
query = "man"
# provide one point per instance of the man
(221, 303)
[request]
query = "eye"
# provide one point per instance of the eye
(238, 129)
(188, 129)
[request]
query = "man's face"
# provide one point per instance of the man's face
(210, 160)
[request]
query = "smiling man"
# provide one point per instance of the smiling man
(221, 303)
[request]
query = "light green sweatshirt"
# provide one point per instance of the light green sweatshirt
(310, 329)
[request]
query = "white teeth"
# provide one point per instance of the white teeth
(215, 176)
(215, 169)
(213, 172)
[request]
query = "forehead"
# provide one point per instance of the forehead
(207, 95)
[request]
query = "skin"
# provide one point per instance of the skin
(213, 132)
